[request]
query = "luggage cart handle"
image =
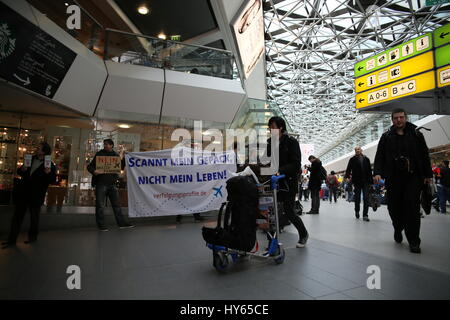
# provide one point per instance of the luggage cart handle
(275, 179)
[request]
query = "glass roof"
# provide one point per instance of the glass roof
(312, 46)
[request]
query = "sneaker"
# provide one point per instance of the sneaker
(398, 237)
(127, 226)
(302, 242)
(103, 229)
(415, 249)
(366, 219)
(357, 215)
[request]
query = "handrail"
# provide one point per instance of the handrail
(153, 38)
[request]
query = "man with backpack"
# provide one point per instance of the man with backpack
(317, 175)
(359, 173)
(333, 184)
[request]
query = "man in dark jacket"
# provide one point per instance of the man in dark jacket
(360, 174)
(402, 159)
(315, 183)
(105, 186)
(29, 193)
(290, 163)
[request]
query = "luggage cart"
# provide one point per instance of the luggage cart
(268, 221)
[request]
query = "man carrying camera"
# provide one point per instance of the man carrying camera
(402, 159)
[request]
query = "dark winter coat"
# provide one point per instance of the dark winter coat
(360, 176)
(388, 151)
(315, 179)
(290, 159)
(103, 179)
(32, 188)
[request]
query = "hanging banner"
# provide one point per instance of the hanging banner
(161, 184)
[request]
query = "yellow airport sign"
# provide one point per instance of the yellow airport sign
(394, 55)
(395, 72)
(399, 89)
(443, 76)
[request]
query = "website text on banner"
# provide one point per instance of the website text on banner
(160, 184)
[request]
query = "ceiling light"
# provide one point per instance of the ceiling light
(124, 126)
(143, 10)
(162, 36)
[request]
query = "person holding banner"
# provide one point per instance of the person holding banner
(105, 169)
(36, 174)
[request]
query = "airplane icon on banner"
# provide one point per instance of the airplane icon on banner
(218, 191)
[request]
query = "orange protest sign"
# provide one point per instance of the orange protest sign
(107, 164)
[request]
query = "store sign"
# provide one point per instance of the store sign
(401, 52)
(429, 3)
(443, 76)
(160, 184)
(396, 90)
(29, 57)
(443, 56)
(248, 31)
(108, 164)
(396, 72)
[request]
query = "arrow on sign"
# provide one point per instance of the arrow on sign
(443, 35)
(360, 68)
(25, 82)
(361, 100)
(360, 84)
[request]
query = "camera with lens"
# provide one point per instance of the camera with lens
(402, 164)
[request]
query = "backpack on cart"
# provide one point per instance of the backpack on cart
(239, 222)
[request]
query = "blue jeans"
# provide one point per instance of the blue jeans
(110, 191)
(444, 196)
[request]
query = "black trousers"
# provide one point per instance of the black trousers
(357, 197)
(16, 223)
(288, 202)
(315, 200)
(404, 205)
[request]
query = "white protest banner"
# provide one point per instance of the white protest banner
(160, 183)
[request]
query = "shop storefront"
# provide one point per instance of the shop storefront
(74, 142)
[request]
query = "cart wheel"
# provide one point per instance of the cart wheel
(281, 254)
(220, 261)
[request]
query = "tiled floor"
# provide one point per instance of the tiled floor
(168, 261)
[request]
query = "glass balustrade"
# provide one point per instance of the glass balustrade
(137, 49)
